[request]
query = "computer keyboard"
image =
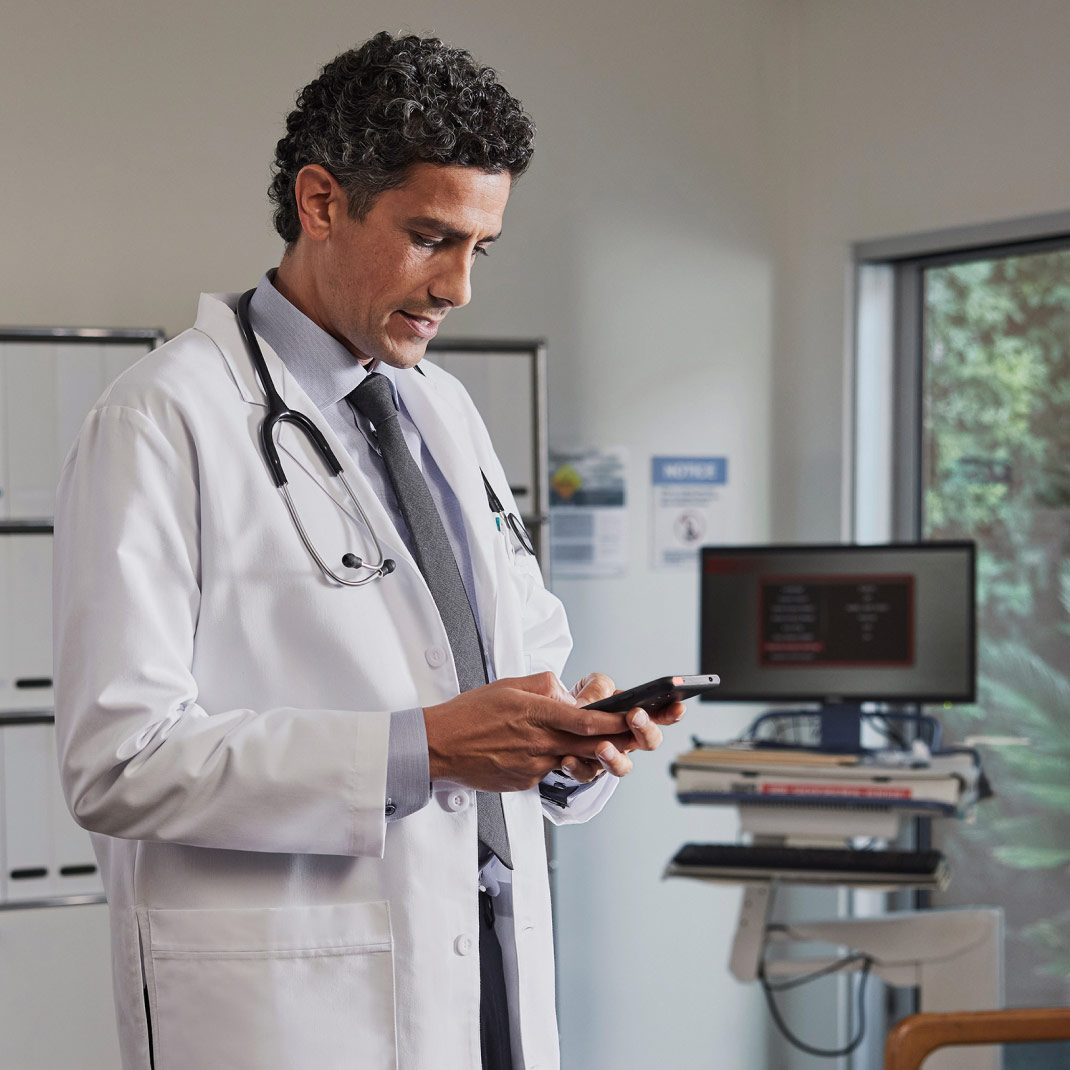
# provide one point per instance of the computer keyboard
(810, 865)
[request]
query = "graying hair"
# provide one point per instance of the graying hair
(393, 102)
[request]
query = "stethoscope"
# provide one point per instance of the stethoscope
(278, 413)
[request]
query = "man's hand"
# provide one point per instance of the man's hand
(508, 735)
(612, 756)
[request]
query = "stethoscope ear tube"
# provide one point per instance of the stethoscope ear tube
(299, 420)
(278, 411)
(275, 404)
(271, 455)
(276, 408)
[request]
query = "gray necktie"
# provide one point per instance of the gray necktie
(431, 547)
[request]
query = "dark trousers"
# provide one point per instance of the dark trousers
(493, 1008)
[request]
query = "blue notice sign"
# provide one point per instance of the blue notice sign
(690, 470)
(687, 495)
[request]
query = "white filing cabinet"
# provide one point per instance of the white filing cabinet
(45, 854)
(55, 972)
(49, 379)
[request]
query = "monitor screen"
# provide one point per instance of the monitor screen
(856, 623)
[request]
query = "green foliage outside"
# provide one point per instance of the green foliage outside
(996, 468)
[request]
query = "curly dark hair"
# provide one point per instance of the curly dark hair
(395, 101)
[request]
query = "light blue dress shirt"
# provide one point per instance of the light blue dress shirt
(328, 372)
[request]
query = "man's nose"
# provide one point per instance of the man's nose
(453, 283)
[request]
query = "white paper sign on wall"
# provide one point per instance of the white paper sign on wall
(687, 508)
(589, 512)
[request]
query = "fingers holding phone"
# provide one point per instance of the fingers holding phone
(644, 708)
(655, 703)
(594, 687)
(645, 731)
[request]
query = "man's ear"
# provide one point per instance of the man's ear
(319, 198)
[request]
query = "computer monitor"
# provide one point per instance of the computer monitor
(839, 624)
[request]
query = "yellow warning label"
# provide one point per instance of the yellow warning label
(566, 481)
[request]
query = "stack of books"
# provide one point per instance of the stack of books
(946, 784)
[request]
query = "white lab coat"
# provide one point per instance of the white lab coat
(223, 714)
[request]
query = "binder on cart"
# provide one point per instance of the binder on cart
(940, 785)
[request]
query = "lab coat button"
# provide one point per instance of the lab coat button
(457, 801)
(436, 656)
(464, 944)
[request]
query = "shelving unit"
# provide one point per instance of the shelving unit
(54, 958)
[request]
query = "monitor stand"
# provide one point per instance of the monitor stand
(838, 725)
(841, 727)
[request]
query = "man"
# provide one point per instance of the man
(316, 789)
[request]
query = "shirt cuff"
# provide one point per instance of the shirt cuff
(560, 788)
(408, 776)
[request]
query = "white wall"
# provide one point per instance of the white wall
(136, 142)
(683, 242)
(908, 117)
(671, 273)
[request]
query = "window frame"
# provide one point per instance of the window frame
(888, 337)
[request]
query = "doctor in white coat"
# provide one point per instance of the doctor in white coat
(227, 713)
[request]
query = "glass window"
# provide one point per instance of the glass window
(962, 430)
(995, 467)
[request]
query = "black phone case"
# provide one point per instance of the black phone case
(656, 694)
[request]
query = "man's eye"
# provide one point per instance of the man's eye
(424, 242)
(481, 250)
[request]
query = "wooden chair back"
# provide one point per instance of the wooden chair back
(917, 1036)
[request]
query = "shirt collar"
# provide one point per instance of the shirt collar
(322, 366)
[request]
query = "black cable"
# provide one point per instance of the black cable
(815, 975)
(769, 989)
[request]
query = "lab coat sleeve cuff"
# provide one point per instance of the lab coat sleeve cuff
(583, 803)
(408, 778)
(560, 789)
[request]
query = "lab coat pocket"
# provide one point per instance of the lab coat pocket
(290, 988)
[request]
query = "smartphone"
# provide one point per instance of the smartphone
(655, 695)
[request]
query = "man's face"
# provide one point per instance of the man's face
(387, 281)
